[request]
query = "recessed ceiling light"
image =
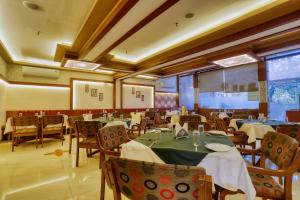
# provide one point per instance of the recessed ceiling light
(81, 65)
(105, 71)
(146, 77)
(189, 15)
(31, 5)
(235, 60)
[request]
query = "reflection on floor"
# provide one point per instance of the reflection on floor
(49, 173)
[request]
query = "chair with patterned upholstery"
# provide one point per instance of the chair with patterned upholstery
(192, 120)
(160, 122)
(72, 129)
(52, 126)
(150, 115)
(86, 132)
(292, 130)
(109, 140)
(144, 180)
(24, 126)
(137, 129)
(284, 152)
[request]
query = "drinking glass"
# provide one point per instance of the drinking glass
(196, 139)
(201, 128)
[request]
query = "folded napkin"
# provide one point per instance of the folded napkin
(181, 131)
(216, 132)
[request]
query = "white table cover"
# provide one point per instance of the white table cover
(114, 123)
(223, 115)
(171, 113)
(233, 123)
(228, 169)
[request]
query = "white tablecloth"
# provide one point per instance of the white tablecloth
(228, 169)
(171, 113)
(253, 130)
(114, 123)
(9, 128)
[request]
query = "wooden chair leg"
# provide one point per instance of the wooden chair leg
(102, 190)
(12, 144)
(70, 142)
(77, 155)
(62, 138)
(42, 138)
(36, 141)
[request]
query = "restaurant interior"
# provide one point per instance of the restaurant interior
(149, 99)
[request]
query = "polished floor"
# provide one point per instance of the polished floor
(46, 174)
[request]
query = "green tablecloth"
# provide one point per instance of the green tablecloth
(272, 123)
(181, 151)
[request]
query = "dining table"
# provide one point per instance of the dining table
(104, 121)
(256, 129)
(227, 168)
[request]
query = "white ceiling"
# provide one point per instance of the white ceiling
(162, 33)
(59, 21)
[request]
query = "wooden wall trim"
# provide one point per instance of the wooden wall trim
(177, 90)
(262, 71)
(4, 78)
(136, 84)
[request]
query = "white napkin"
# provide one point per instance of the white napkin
(181, 131)
(216, 132)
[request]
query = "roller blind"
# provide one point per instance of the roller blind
(241, 79)
(211, 81)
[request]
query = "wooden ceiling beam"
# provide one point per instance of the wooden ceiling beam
(161, 9)
(4, 54)
(120, 9)
(60, 51)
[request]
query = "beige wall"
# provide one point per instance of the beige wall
(131, 101)
(23, 97)
(3, 86)
(83, 100)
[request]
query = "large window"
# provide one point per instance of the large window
(230, 88)
(186, 92)
(283, 83)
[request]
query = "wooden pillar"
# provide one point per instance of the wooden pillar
(196, 89)
(177, 90)
(263, 91)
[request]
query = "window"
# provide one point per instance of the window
(230, 88)
(186, 92)
(283, 83)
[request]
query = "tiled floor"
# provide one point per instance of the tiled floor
(29, 174)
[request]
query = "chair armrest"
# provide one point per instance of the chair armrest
(249, 151)
(231, 128)
(112, 153)
(236, 132)
(269, 172)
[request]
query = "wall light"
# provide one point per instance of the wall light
(105, 71)
(235, 60)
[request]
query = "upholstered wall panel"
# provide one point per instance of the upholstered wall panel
(165, 100)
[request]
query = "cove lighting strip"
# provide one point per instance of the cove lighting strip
(13, 85)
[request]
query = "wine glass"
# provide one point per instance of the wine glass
(196, 139)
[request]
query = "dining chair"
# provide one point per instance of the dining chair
(150, 115)
(52, 125)
(292, 130)
(24, 126)
(72, 129)
(239, 138)
(192, 120)
(97, 115)
(109, 140)
(137, 129)
(284, 152)
(86, 132)
(145, 180)
(159, 122)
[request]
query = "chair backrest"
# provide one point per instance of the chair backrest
(97, 115)
(143, 125)
(292, 130)
(192, 120)
(144, 180)
(221, 124)
(52, 119)
(73, 119)
(118, 114)
(111, 137)
(24, 121)
(150, 114)
(278, 148)
(85, 129)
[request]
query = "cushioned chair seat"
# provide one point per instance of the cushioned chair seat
(52, 129)
(266, 186)
(90, 140)
(26, 130)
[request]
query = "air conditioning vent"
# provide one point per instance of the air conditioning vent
(40, 72)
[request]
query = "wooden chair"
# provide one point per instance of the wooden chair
(109, 140)
(137, 129)
(86, 132)
(144, 180)
(72, 129)
(150, 115)
(284, 152)
(159, 122)
(292, 130)
(52, 125)
(239, 138)
(97, 115)
(24, 126)
(118, 114)
(192, 120)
